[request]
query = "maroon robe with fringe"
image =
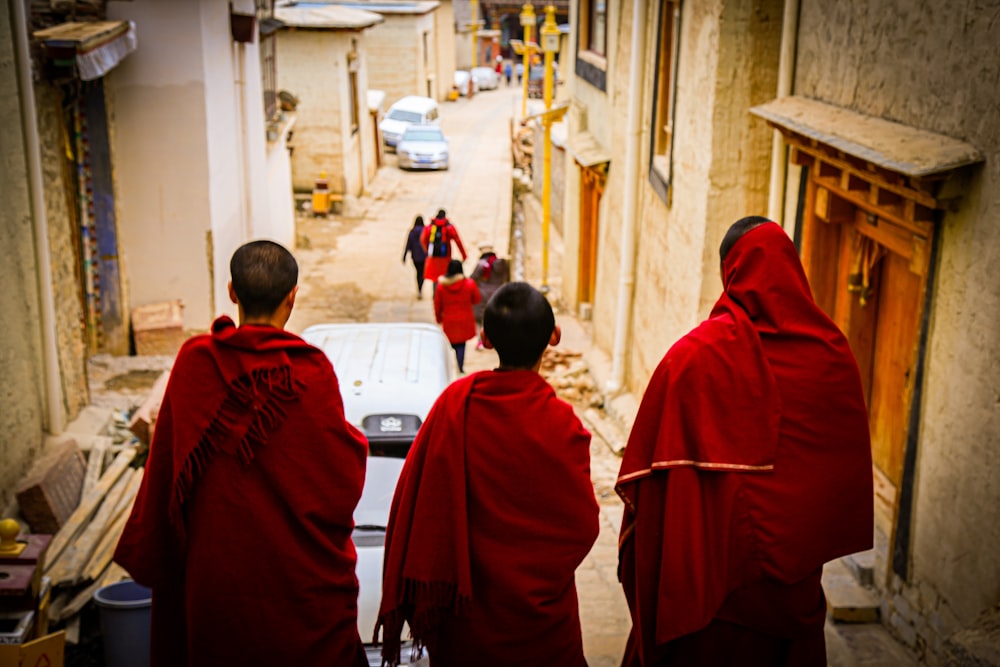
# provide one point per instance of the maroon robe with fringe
(748, 467)
(242, 525)
(493, 513)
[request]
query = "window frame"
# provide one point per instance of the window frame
(661, 140)
(267, 48)
(591, 66)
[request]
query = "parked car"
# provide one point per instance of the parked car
(390, 375)
(422, 147)
(486, 78)
(462, 82)
(409, 110)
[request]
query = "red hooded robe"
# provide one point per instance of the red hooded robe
(242, 525)
(492, 514)
(437, 265)
(748, 467)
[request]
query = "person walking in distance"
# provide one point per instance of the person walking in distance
(494, 510)
(242, 524)
(436, 240)
(417, 253)
(453, 302)
(490, 273)
(748, 467)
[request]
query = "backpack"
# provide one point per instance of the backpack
(437, 243)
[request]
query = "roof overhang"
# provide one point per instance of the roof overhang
(326, 17)
(586, 149)
(907, 150)
(94, 48)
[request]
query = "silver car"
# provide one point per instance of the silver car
(390, 375)
(422, 147)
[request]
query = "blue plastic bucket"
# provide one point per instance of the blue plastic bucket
(125, 612)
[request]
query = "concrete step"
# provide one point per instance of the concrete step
(847, 600)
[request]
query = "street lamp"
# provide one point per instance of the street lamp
(550, 46)
(527, 23)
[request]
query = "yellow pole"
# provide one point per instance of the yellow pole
(475, 25)
(527, 22)
(548, 28)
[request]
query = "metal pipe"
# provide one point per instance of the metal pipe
(633, 134)
(786, 73)
(55, 416)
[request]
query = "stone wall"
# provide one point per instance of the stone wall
(22, 390)
(64, 250)
(395, 63)
(312, 65)
(933, 66)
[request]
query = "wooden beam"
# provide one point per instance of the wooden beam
(88, 505)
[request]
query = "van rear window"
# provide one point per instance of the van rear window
(405, 116)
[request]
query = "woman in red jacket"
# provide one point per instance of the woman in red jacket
(453, 300)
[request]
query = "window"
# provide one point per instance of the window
(592, 42)
(268, 65)
(663, 98)
(593, 26)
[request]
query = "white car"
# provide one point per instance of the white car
(390, 375)
(486, 78)
(422, 147)
(409, 110)
(462, 82)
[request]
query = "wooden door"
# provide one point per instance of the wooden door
(881, 317)
(592, 181)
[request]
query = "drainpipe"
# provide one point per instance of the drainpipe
(29, 127)
(633, 133)
(786, 70)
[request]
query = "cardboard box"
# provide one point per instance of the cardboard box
(49, 650)
(158, 328)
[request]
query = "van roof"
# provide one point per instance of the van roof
(414, 103)
(386, 368)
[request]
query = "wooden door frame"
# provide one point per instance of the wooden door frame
(848, 195)
(593, 180)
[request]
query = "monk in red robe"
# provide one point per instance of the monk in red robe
(242, 525)
(748, 468)
(494, 510)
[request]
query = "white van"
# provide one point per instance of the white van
(409, 110)
(390, 374)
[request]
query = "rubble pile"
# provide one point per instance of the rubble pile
(81, 493)
(522, 146)
(566, 371)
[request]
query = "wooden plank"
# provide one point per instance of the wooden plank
(67, 567)
(88, 506)
(106, 547)
(95, 466)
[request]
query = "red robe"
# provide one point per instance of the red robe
(748, 467)
(492, 515)
(242, 525)
(435, 267)
(453, 307)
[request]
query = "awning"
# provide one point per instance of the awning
(94, 47)
(586, 149)
(885, 143)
